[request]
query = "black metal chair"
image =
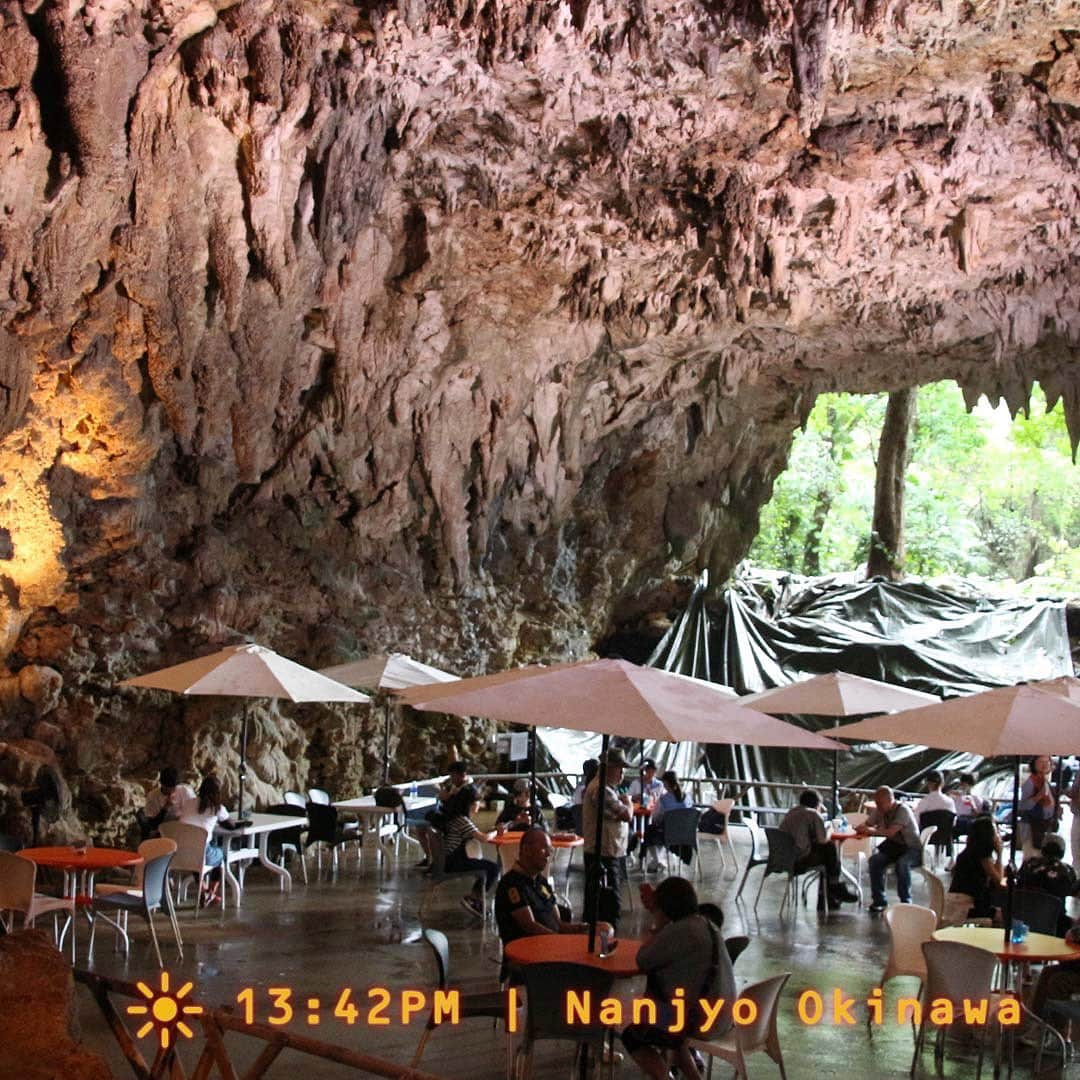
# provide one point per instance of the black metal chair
(944, 821)
(546, 1016)
(284, 842)
(487, 1003)
(736, 946)
(1042, 911)
(325, 830)
(438, 875)
(680, 835)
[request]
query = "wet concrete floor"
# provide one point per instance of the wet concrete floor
(360, 929)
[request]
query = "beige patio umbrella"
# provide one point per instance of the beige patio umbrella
(614, 697)
(1065, 686)
(387, 671)
(247, 671)
(837, 694)
(1013, 721)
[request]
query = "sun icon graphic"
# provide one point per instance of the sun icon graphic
(164, 1011)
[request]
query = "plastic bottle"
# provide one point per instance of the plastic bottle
(412, 790)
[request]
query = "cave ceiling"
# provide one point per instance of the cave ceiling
(461, 329)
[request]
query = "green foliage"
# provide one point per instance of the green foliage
(986, 496)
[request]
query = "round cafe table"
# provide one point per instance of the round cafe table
(574, 949)
(1035, 949)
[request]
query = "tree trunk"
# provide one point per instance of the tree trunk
(887, 531)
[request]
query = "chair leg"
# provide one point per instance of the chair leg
(153, 938)
(175, 923)
(761, 885)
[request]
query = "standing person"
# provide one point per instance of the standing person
(803, 823)
(683, 953)
(458, 831)
(589, 769)
(895, 822)
(672, 798)
(1074, 832)
(1038, 808)
(207, 811)
(165, 802)
(615, 816)
(978, 868)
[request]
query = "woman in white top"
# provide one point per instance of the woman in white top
(206, 811)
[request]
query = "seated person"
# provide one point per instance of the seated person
(935, 798)
(1047, 873)
(165, 802)
(1057, 981)
(896, 823)
(525, 903)
(645, 788)
(458, 830)
(589, 769)
(421, 821)
(672, 798)
(978, 868)
(682, 950)
(967, 804)
(1038, 807)
(804, 824)
(515, 816)
(206, 811)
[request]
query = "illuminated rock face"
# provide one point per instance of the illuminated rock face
(460, 329)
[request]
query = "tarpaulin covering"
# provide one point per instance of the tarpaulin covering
(768, 629)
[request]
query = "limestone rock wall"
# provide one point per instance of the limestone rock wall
(459, 329)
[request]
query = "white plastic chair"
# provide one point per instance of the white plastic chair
(742, 1041)
(18, 877)
(935, 888)
(294, 798)
(317, 795)
(190, 857)
(722, 840)
(909, 926)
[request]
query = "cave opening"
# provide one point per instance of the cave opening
(986, 496)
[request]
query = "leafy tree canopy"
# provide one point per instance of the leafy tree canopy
(986, 496)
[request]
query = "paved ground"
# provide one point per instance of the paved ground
(360, 929)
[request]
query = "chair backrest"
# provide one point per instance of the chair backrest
(924, 836)
(955, 971)
(736, 946)
(909, 927)
(680, 827)
(782, 853)
(17, 876)
(190, 845)
(280, 837)
(765, 995)
(322, 823)
(151, 849)
(294, 798)
(389, 796)
(856, 818)
(317, 795)
(427, 790)
(577, 813)
(936, 888)
(546, 986)
(942, 821)
(155, 872)
(1040, 910)
(440, 947)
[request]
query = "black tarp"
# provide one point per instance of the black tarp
(767, 630)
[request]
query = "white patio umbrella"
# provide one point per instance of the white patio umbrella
(1066, 686)
(387, 671)
(614, 697)
(1012, 721)
(837, 694)
(247, 671)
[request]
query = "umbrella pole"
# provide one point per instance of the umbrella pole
(386, 743)
(593, 916)
(534, 809)
(242, 772)
(1010, 872)
(835, 779)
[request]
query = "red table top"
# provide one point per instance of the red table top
(93, 858)
(642, 811)
(839, 836)
(574, 949)
(556, 841)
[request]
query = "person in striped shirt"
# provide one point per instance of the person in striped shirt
(457, 832)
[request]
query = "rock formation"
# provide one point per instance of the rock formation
(461, 328)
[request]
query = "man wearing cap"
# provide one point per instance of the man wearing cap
(616, 815)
